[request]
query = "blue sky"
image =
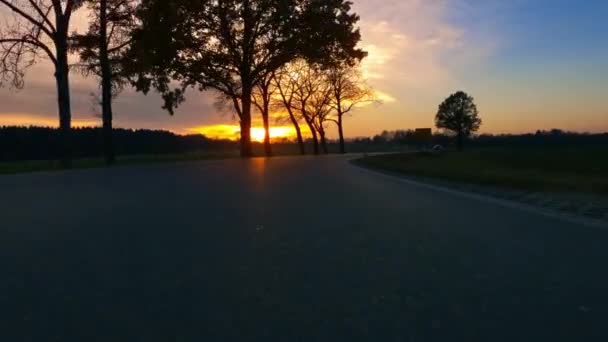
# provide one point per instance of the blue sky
(558, 32)
(555, 53)
(530, 64)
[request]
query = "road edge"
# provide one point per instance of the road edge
(589, 222)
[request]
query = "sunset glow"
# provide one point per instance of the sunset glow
(412, 65)
(232, 132)
(9, 119)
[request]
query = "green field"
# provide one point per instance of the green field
(88, 163)
(53, 165)
(278, 150)
(561, 169)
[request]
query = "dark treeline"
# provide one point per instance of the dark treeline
(41, 143)
(540, 138)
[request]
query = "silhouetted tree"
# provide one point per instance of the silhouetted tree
(458, 114)
(318, 108)
(305, 89)
(262, 97)
(102, 51)
(40, 28)
(348, 90)
(284, 82)
(309, 91)
(231, 45)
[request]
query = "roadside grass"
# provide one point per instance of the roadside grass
(550, 169)
(279, 149)
(91, 163)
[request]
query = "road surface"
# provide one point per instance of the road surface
(289, 249)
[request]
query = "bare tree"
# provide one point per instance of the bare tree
(261, 97)
(284, 83)
(318, 106)
(304, 90)
(304, 85)
(102, 51)
(348, 90)
(39, 28)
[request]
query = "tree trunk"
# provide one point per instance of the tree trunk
(266, 118)
(106, 86)
(315, 139)
(296, 125)
(246, 147)
(460, 141)
(63, 102)
(323, 141)
(341, 134)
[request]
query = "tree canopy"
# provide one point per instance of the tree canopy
(458, 114)
(230, 46)
(348, 90)
(102, 51)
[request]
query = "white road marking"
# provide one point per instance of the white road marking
(488, 199)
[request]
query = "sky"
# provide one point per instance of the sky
(529, 64)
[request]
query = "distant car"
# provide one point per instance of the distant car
(438, 149)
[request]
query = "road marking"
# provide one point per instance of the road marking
(485, 198)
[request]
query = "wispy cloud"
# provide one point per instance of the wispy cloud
(413, 44)
(416, 51)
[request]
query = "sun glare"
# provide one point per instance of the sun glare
(257, 134)
(233, 132)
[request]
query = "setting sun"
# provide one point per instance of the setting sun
(232, 132)
(257, 133)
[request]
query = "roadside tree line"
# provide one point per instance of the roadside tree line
(314, 97)
(256, 54)
(42, 143)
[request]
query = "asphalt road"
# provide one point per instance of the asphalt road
(289, 249)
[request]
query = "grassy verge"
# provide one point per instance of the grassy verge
(53, 165)
(288, 149)
(558, 169)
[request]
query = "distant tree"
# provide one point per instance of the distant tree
(102, 51)
(348, 90)
(285, 82)
(42, 143)
(310, 93)
(381, 138)
(230, 46)
(404, 137)
(318, 108)
(458, 114)
(262, 99)
(40, 28)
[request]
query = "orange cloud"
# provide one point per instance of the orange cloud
(31, 120)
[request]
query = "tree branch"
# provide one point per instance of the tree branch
(36, 43)
(28, 17)
(43, 15)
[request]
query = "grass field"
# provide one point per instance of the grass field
(89, 163)
(560, 169)
(53, 165)
(278, 150)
